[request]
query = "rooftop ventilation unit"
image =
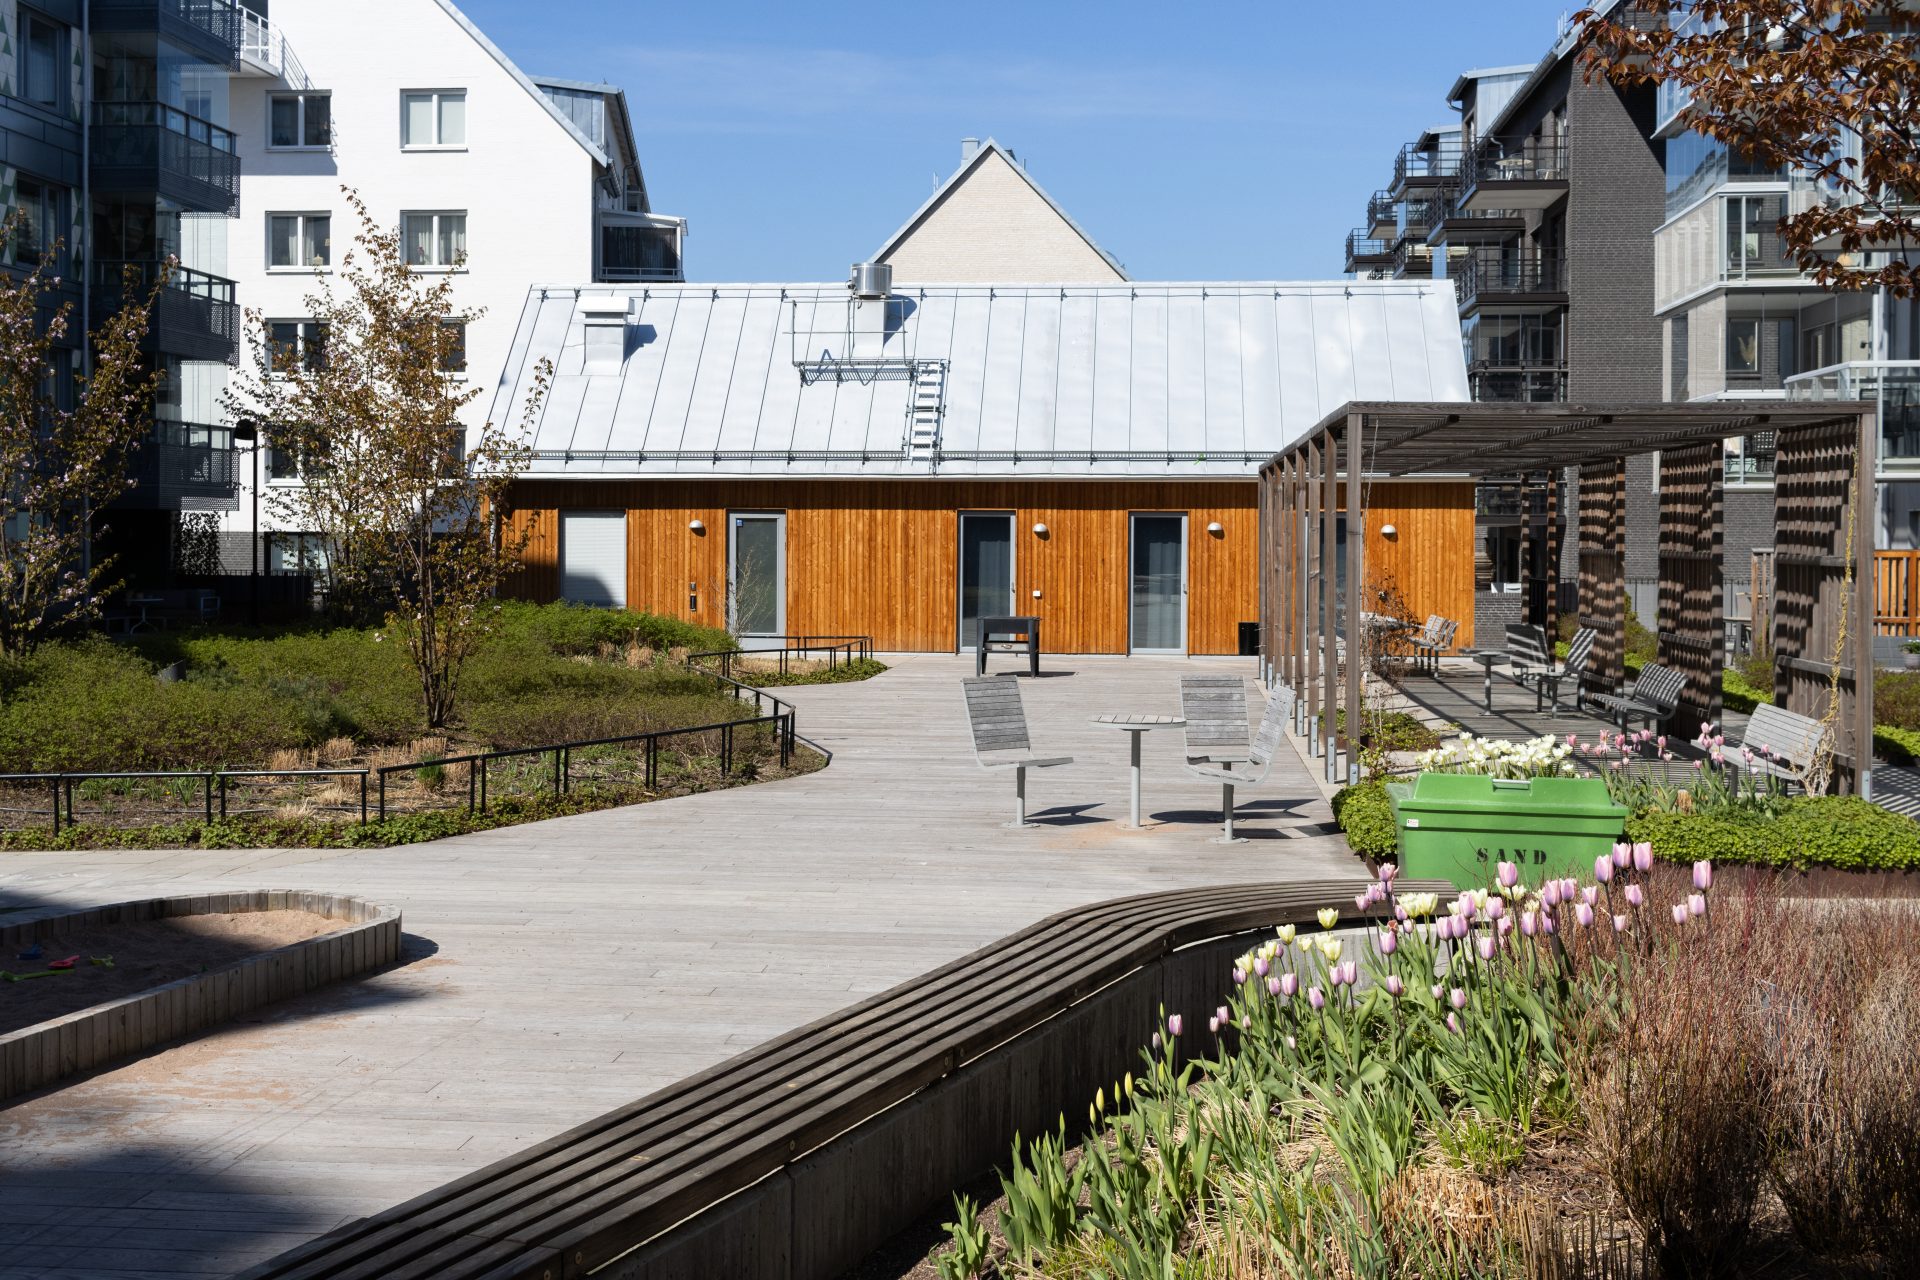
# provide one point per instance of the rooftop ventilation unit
(871, 279)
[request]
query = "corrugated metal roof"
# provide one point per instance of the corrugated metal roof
(1077, 380)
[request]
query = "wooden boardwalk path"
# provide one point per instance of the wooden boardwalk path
(562, 968)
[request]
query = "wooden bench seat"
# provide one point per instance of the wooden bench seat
(1784, 743)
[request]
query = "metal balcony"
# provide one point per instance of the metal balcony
(1366, 253)
(210, 30)
(264, 51)
(1531, 175)
(1421, 166)
(185, 466)
(1517, 384)
(152, 147)
(1458, 226)
(195, 317)
(1524, 280)
(1412, 259)
(1383, 215)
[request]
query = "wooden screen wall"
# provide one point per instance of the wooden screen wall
(878, 557)
(1693, 634)
(1429, 558)
(1603, 571)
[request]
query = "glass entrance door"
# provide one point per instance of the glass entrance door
(757, 573)
(986, 571)
(1157, 570)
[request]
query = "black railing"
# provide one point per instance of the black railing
(1383, 210)
(839, 651)
(1526, 162)
(1427, 163)
(150, 145)
(1523, 384)
(212, 29)
(1489, 271)
(195, 317)
(187, 466)
(1361, 246)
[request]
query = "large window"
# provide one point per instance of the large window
(433, 119)
(1754, 244)
(434, 239)
(298, 343)
(39, 207)
(299, 240)
(43, 62)
(299, 121)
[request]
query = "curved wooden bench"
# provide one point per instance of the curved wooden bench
(794, 1159)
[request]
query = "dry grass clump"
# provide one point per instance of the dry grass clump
(337, 751)
(639, 655)
(291, 758)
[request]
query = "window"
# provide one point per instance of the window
(453, 353)
(1743, 346)
(299, 240)
(303, 553)
(1503, 554)
(1678, 327)
(433, 119)
(298, 343)
(434, 239)
(39, 206)
(43, 63)
(299, 121)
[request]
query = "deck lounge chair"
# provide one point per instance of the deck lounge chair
(1258, 762)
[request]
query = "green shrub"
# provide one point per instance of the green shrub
(1845, 832)
(1896, 699)
(575, 629)
(857, 669)
(1739, 694)
(1896, 746)
(1365, 814)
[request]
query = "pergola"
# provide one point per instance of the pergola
(1822, 615)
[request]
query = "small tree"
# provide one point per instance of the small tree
(407, 503)
(59, 465)
(1826, 86)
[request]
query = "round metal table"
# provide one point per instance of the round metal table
(1134, 726)
(1486, 658)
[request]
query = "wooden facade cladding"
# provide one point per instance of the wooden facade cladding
(1428, 560)
(1692, 601)
(1603, 571)
(880, 557)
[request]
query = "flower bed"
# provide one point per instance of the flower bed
(1632, 1069)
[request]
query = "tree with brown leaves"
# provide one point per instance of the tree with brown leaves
(60, 465)
(366, 406)
(1827, 87)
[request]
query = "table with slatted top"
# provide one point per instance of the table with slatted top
(1134, 726)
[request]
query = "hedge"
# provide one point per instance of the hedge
(1845, 832)
(1365, 814)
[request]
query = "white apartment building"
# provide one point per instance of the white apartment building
(504, 179)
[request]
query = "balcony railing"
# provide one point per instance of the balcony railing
(264, 49)
(1419, 216)
(1517, 384)
(152, 146)
(1533, 162)
(1413, 259)
(1483, 273)
(185, 466)
(1364, 251)
(1749, 460)
(209, 28)
(1383, 213)
(1425, 165)
(639, 275)
(1894, 386)
(195, 317)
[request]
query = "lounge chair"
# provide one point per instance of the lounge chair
(999, 723)
(1258, 761)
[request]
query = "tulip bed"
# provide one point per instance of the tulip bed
(1632, 1075)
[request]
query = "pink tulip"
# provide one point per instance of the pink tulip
(1361, 902)
(1529, 923)
(1583, 913)
(1221, 1016)
(1590, 894)
(1316, 997)
(1239, 977)
(1395, 987)
(1400, 913)
(1349, 973)
(1680, 913)
(1438, 990)
(1547, 925)
(1260, 965)
(1457, 998)
(1453, 1024)
(1509, 874)
(1696, 904)
(1156, 1042)
(1603, 868)
(1174, 1024)
(1389, 942)
(1273, 986)
(1620, 923)
(1550, 893)
(1387, 872)
(1503, 926)
(1634, 895)
(1495, 908)
(1703, 876)
(1485, 944)
(1213, 1025)
(1622, 855)
(1289, 985)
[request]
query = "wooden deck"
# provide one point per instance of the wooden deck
(560, 969)
(1456, 697)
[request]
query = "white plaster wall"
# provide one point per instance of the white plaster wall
(994, 228)
(525, 183)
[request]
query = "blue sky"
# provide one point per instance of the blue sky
(1220, 140)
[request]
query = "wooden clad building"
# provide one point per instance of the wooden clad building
(859, 459)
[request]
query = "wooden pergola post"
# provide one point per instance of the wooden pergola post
(1309, 590)
(1329, 596)
(1866, 502)
(1356, 580)
(1603, 571)
(1692, 617)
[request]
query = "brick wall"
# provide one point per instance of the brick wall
(1616, 197)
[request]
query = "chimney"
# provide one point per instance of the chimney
(870, 283)
(969, 147)
(604, 340)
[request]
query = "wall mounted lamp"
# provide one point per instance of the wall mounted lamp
(697, 526)
(1216, 529)
(1387, 531)
(1039, 530)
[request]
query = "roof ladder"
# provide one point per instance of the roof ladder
(926, 406)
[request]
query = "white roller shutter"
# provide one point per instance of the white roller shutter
(593, 557)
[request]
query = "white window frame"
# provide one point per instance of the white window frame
(434, 96)
(301, 97)
(300, 237)
(436, 215)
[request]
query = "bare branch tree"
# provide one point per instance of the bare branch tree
(367, 406)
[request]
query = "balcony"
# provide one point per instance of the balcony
(1417, 217)
(264, 51)
(640, 248)
(1412, 259)
(207, 29)
(1423, 166)
(195, 317)
(148, 146)
(1517, 384)
(1383, 215)
(1532, 175)
(1457, 226)
(1511, 280)
(185, 466)
(1367, 254)
(1749, 460)
(1894, 386)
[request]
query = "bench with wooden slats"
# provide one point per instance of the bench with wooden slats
(1215, 709)
(1534, 665)
(1784, 743)
(707, 1176)
(1655, 697)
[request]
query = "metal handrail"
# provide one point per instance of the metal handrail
(854, 648)
(1530, 162)
(159, 115)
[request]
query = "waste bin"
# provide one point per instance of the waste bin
(1249, 639)
(1457, 826)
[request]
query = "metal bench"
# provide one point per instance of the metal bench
(1435, 639)
(1215, 709)
(1784, 743)
(1008, 635)
(1258, 759)
(1655, 696)
(999, 723)
(1534, 665)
